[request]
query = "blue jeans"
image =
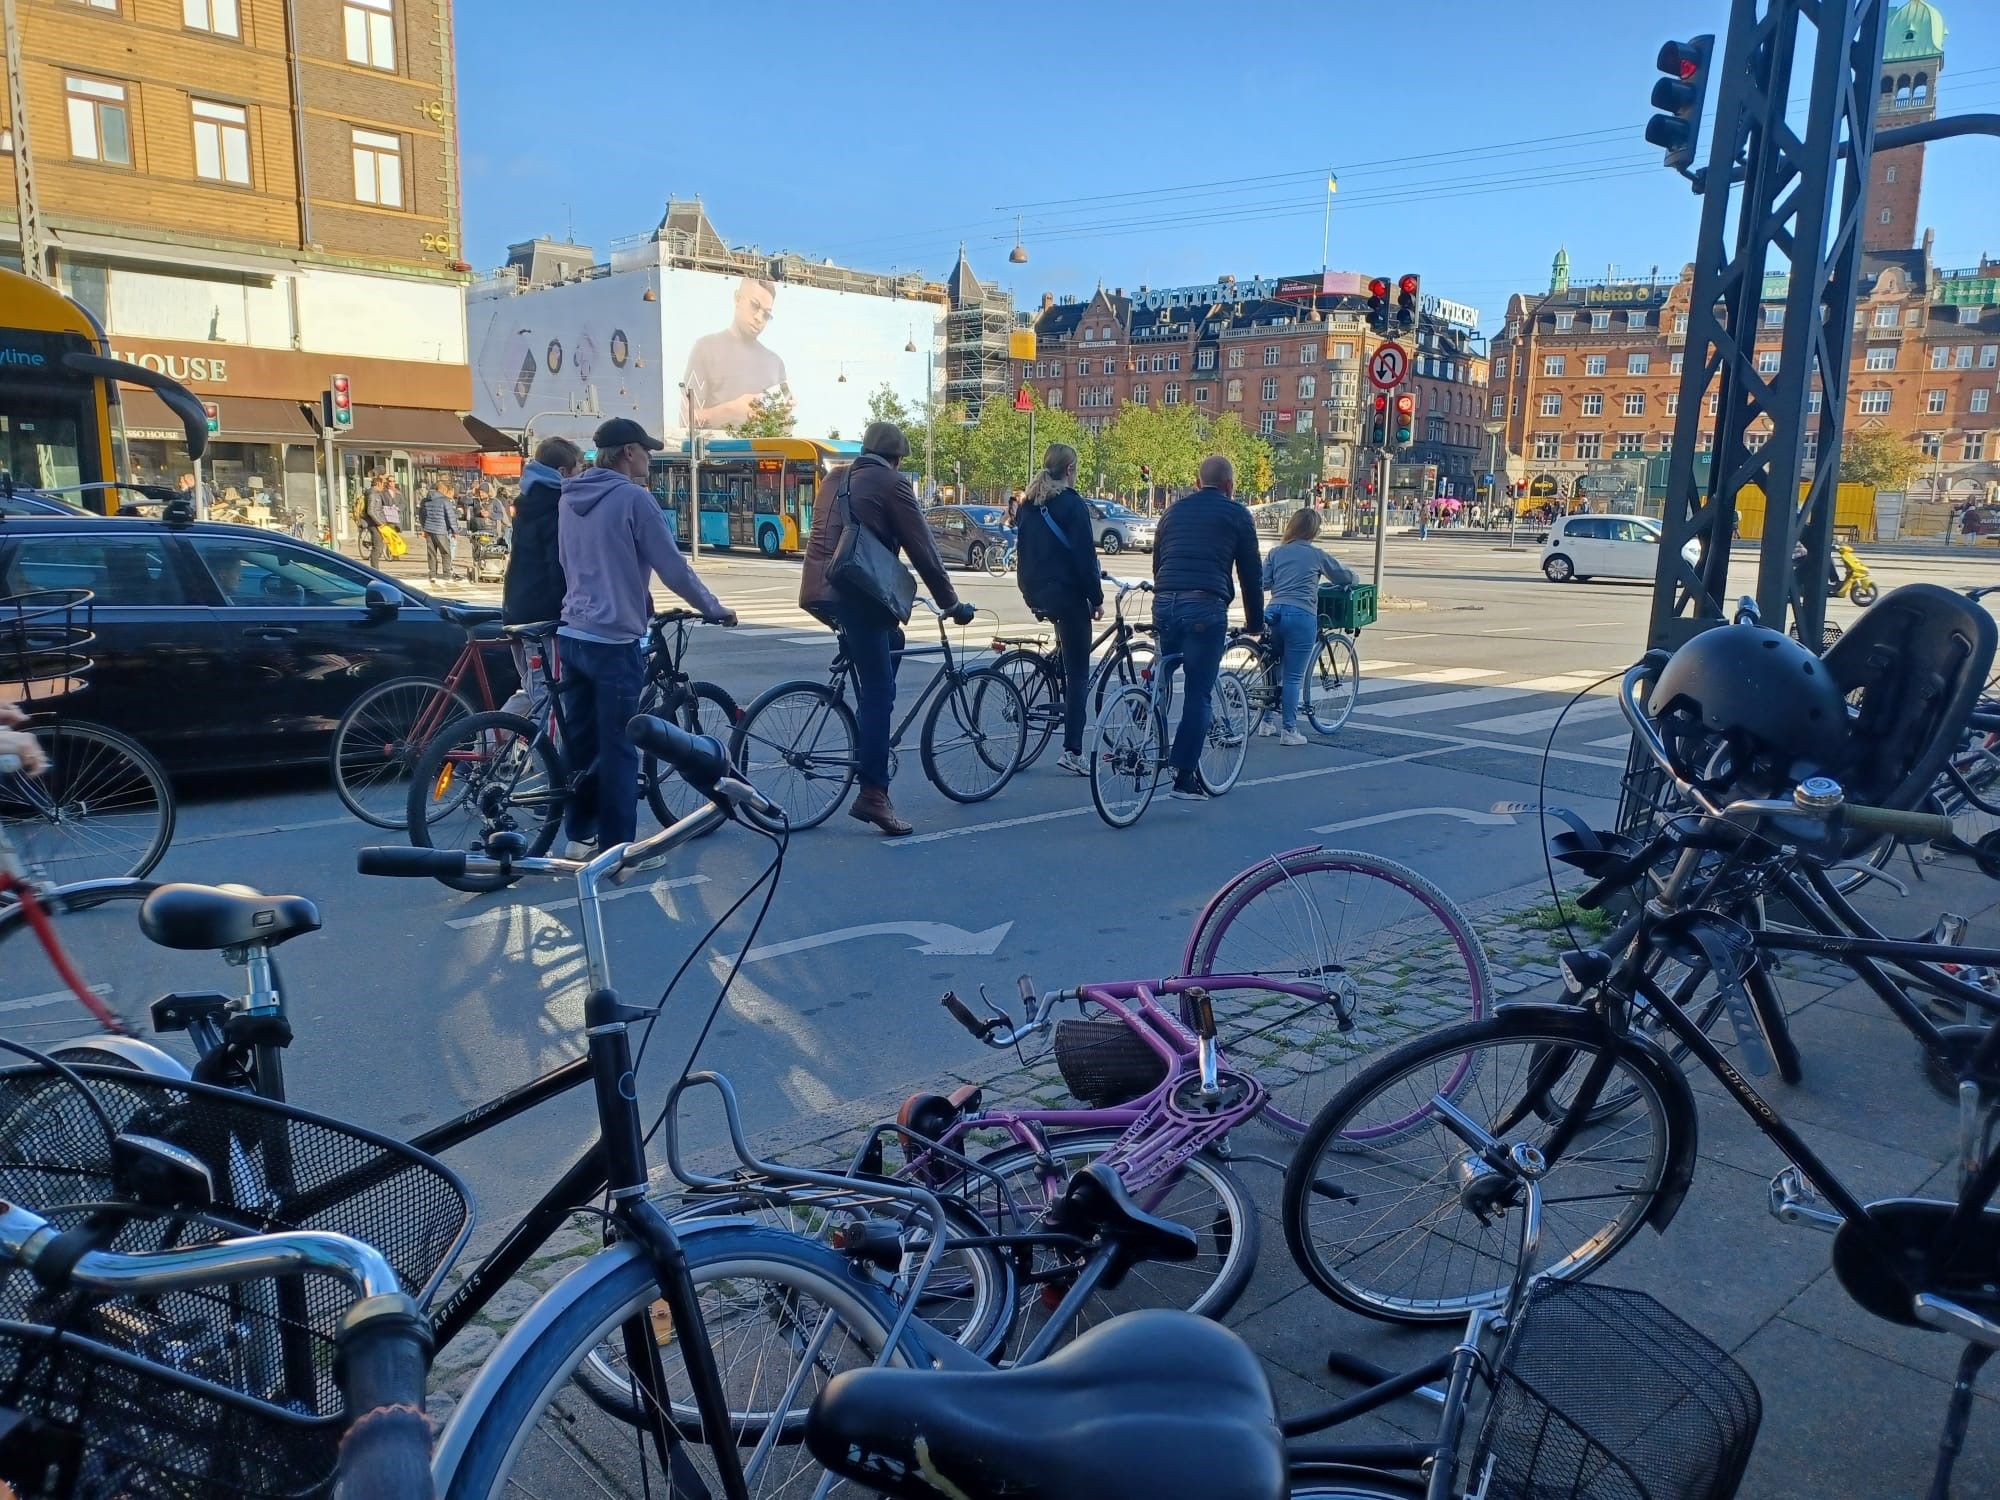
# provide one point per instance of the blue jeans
(1072, 623)
(872, 641)
(1295, 630)
(600, 685)
(1195, 627)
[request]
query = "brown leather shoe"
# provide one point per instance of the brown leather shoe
(872, 806)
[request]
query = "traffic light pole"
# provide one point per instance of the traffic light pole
(334, 508)
(1381, 518)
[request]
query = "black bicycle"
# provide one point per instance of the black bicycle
(501, 772)
(1035, 666)
(798, 741)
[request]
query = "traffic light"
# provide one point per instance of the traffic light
(1378, 304)
(1406, 418)
(1407, 287)
(214, 414)
(1145, 473)
(1680, 95)
(337, 404)
(1378, 430)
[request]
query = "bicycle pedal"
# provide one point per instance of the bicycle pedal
(1794, 1200)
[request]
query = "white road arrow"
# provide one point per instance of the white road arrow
(934, 939)
(1463, 814)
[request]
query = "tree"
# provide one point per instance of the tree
(996, 446)
(1245, 449)
(884, 405)
(1295, 462)
(1877, 456)
(770, 416)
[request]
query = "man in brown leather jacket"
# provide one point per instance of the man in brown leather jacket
(870, 637)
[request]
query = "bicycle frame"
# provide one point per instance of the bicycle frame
(841, 673)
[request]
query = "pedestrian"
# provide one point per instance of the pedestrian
(392, 502)
(373, 519)
(870, 492)
(1012, 516)
(532, 591)
(611, 540)
(1201, 537)
(1059, 578)
(1291, 612)
(440, 522)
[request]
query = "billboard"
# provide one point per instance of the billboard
(563, 358)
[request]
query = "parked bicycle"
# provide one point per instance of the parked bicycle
(1034, 665)
(798, 741)
(1133, 731)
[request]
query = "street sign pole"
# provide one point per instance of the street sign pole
(1381, 518)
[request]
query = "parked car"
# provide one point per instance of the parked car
(966, 533)
(33, 503)
(1120, 528)
(227, 646)
(1585, 547)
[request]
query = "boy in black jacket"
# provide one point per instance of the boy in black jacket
(534, 587)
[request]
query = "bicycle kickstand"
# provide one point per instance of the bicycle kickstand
(1957, 1417)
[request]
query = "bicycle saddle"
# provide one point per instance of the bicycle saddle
(1153, 1405)
(223, 916)
(540, 630)
(1097, 1202)
(469, 615)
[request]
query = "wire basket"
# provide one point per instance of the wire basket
(1104, 1063)
(1605, 1395)
(44, 636)
(226, 1390)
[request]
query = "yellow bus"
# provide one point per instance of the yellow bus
(755, 492)
(59, 429)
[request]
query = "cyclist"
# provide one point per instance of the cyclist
(1058, 574)
(1201, 536)
(1291, 582)
(534, 586)
(18, 742)
(612, 538)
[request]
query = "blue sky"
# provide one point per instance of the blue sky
(1163, 143)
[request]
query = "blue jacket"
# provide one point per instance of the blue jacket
(439, 514)
(1200, 537)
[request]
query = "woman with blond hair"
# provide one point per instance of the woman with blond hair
(1292, 574)
(1058, 574)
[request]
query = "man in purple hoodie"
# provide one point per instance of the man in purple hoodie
(613, 539)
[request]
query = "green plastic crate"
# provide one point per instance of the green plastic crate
(1346, 606)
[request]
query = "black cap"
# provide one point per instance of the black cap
(886, 439)
(619, 431)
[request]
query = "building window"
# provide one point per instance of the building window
(221, 141)
(1774, 317)
(1548, 445)
(1631, 442)
(1204, 359)
(1303, 422)
(1874, 403)
(1309, 387)
(1499, 406)
(1172, 394)
(1267, 422)
(1975, 447)
(1591, 405)
(1552, 364)
(1565, 322)
(1713, 403)
(371, 33)
(1599, 322)
(1980, 397)
(1680, 322)
(1884, 216)
(1202, 393)
(1593, 364)
(1343, 351)
(99, 128)
(1889, 174)
(1940, 358)
(1055, 398)
(1635, 404)
(1139, 394)
(1934, 402)
(378, 174)
(1961, 357)
(1270, 354)
(1969, 314)
(1110, 367)
(1083, 367)
(1882, 358)
(1931, 444)
(1989, 355)
(1590, 445)
(1756, 439)
(1160, 364)
(1767, 362)
(1552, 405)
(1885, 317)
(1309, 354)
(1674, 362)
(1234, 392)
(1809, 447)
(1173, 361)
(1638, 364)
(1635, 320)
(1270, 388)
(218, 16)
(1235, 359)
(1674, 404)
(1812, 403)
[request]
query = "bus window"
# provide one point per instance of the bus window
(41, 438)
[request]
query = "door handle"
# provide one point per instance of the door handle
(270, 632)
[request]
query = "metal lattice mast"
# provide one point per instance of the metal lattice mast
(1794, 199)
(27, 203)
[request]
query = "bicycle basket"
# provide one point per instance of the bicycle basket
(1605, 1395)
(44, 638)
(1105, 1062)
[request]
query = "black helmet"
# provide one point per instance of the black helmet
(1743, 708)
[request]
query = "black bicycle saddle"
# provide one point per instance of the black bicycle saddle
(1154, 1405)
(197, 917)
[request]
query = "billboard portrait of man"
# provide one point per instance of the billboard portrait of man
(729, 369)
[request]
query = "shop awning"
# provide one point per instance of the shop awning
(408, 427)
(245, 419)
(491, 438)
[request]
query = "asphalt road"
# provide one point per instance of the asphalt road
(415, 1002)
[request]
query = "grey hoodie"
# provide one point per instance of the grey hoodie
(612, 536)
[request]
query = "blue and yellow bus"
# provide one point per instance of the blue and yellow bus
(755, 492)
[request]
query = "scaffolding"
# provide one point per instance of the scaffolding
(976, 363)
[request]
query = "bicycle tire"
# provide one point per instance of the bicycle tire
(1296, 915)
(1128, 746)
(96, 929)
(535, 1367)
(510, 772)
(1314, 1481)
(103, 798)
(1433, 1194)
(1333, 682)
(1041, 698)
(374, 749)
(986, 718)
(1227, 743)
(793, 763)
(699, 708)
(1130, 665)
(998, 561)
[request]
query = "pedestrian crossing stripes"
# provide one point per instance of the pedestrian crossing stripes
(1452, 698)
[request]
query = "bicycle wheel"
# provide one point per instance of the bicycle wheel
(796, 744)
(1312, 1481)
(101, 809)
(1206, 1197)
(379, 738)
(1333, 681)
(1411, 1227)
(1128, 746)
(1124, 666)
(1260, 680)
(998, 561)
(1395, 954)
(490, 773)
(699, 708)
(1041, 698)
(783, 1315)
(1228, 742)
(973, 736)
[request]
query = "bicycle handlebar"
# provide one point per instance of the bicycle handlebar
(382, 1356)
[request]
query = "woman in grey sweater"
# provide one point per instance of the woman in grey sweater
(1292, 574)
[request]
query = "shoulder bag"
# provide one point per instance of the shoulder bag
(864, 567)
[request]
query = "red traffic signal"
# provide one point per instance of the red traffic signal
(1407, 287)
(1679, 95)
(1406, 404)
(338, 403)
(1378, 304)
(1378, 426)
(1406, 416)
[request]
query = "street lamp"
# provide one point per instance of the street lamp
(1019, 254)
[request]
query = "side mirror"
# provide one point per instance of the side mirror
(383, 601)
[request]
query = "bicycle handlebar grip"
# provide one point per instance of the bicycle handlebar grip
(699, 758)
(382, 1356)
(393, 859)
(9, 764)
(964, 1016)
(1915, 825)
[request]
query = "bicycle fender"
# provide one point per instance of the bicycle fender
(133, 1052)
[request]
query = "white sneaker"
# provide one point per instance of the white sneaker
(577, 850)
(1073, 763)
(1291, 737)
(1266, 729)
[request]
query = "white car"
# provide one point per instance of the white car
(1120, 528)
(1581, 547)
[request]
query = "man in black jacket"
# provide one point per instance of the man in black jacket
(1058, 574)
(1201, 537)
(534, 588)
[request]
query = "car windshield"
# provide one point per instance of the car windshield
(984, 515)
(1118, 512)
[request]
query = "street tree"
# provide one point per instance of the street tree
(771, 415)
(1295, 462)
(1246, 450)
(996, 446)
(1874, 455)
